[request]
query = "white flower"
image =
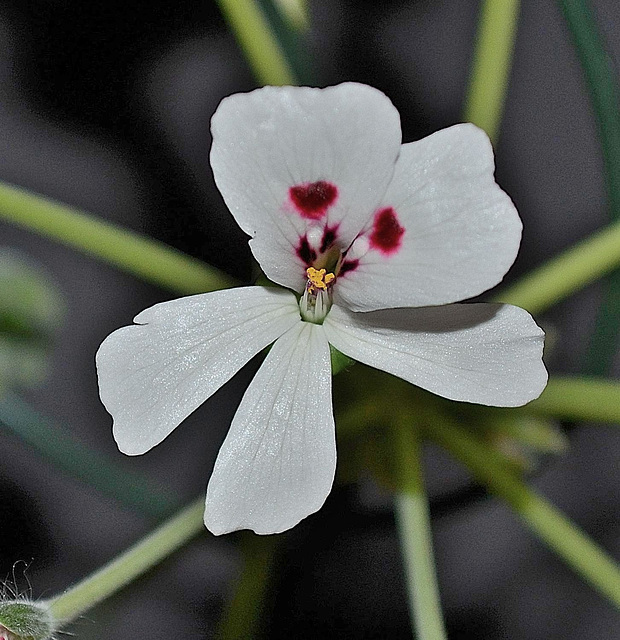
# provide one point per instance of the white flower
(374, 237)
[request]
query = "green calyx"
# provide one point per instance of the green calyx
(25, 621)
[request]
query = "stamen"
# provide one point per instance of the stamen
(318, 279)
(316, 300)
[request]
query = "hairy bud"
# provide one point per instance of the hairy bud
(24, 620)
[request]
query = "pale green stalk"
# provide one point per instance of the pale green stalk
(415, 536)
(601, 76)
(148, 259)
(258, 42)
(484, 104)
(576, 398)
(242, 613)
(57, 446)
(129, 565)
(295, 12)
(572, 270)
(547, 522)
(535, 432)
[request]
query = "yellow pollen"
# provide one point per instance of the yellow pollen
(318, 278)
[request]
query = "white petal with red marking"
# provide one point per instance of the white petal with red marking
(278, 461)
(483, 353)
(295, 160)
(453, 232)
(152, 375)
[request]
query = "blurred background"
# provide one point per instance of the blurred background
(106, 106)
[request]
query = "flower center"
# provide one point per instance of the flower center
(317, 300)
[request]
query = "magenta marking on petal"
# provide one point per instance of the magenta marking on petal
(328, 239)
(386, 235)
(305, 252)
(348, 265)
(312, 199)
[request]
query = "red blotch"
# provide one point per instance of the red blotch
(386, 233)
(312, 199)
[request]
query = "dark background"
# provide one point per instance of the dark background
(106, 106)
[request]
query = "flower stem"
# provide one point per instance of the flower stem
(257, 40)
(574, 398)
(58, 447)
(129, 565)
(242, 613)
(561, 276)
(149, 259)
(295, 12)
(601, 80)
(548, 523)
(414, 532)
(488, 82)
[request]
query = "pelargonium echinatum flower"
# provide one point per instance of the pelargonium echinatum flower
(372, 241)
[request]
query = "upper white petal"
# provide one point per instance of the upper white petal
(278, 461)
(483, 353)
(462, 232)
(154, 374)
(273, 138)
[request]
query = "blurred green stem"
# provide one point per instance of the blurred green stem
(600, 74)
(148, 259)
(549, 524)
(129, 565)
(575, 398)
(241, 616)
(257, 40)
(295, 12)
(61, 449)
(486, 94)
(415, 536)
(561, 276)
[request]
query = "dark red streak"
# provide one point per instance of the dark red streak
(348, 265)
(328, 239)
(305, 252)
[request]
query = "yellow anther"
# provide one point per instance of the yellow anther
(318, 278)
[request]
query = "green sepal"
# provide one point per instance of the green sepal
(339, 360)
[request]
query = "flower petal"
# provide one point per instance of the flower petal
(154, 374)
(452, 232)
(293, 162)
(278, 461)
(483, 353)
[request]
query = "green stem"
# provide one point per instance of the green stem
(573, 269)
(535, 431)
(600, 75)
(552, 527)
(488, 83)
(291, 33)
(579, 399)
(295, 12)
(151, 260)
(242, 614)
(414, 532)
(58, 446)
(256, 39)
(134, 562)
